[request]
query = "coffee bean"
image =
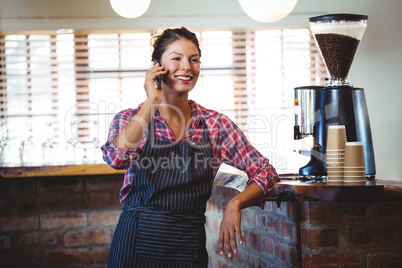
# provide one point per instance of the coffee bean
(338, 52)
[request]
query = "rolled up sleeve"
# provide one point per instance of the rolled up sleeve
(116, 157)
(240, 153)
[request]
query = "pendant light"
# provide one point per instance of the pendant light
(267, 10)
(130, 8)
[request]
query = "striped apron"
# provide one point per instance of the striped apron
(162, 223)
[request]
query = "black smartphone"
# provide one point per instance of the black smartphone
(158, 78)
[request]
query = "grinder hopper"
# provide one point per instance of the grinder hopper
(338, 37)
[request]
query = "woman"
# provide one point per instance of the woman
(171, 148)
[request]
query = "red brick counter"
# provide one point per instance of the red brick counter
(312, 233)
(65, 221)
(68, 221)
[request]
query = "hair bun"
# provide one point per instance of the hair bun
(162, 38)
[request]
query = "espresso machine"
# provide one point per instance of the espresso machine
(338, 102)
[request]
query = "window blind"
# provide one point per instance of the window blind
(59, 91)
(281, 61)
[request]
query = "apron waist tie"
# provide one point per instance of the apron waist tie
(177, 215)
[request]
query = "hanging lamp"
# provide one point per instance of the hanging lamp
(130, 8)
(267, 10)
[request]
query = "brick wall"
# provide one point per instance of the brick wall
(69, 222)
(58, 222)
(270, 235)
(352, 234)
(331, 234)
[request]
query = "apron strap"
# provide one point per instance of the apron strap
(151, 129)
(205, 135)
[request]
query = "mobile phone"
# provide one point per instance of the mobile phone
(158, 78)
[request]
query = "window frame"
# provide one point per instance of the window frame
(244, 83)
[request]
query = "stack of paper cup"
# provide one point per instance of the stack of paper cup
(354, 166)
(336, 143)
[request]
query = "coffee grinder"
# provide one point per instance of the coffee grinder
(338, 102)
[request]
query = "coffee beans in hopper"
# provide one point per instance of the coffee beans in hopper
(338, 52)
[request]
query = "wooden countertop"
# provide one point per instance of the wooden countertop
(62, 170)
(370, 190)
(232, 178)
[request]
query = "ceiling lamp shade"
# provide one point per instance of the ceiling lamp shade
(267, 10)
(130, 8)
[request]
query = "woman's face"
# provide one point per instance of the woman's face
(182, 62)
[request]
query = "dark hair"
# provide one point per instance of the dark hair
(160, 41)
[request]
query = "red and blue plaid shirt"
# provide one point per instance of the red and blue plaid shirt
(229, 145)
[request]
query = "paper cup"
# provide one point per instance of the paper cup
(335, 157)
(354, 154)
(354, 178)
(354, 173)
(335, 165)
(335, 169)
(335, 173)
(354, 168)
(336, 138)
(334, 154)
(334, 178)
(335, 160)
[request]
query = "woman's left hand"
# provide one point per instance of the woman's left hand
(230, 227)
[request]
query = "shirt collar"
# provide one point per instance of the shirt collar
(197, 112)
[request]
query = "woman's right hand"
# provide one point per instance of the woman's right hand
(130, 136)
(150, 88)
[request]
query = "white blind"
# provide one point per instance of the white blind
(280, 62)
(59, 92)
(214, 88)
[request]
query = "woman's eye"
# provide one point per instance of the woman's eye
(195, 60)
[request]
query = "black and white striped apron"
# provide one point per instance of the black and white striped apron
(162, 223)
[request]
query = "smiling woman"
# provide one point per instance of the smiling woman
(171, 149)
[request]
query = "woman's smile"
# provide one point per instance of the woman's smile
(184, 77)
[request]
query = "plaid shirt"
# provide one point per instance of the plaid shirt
(229, 145)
